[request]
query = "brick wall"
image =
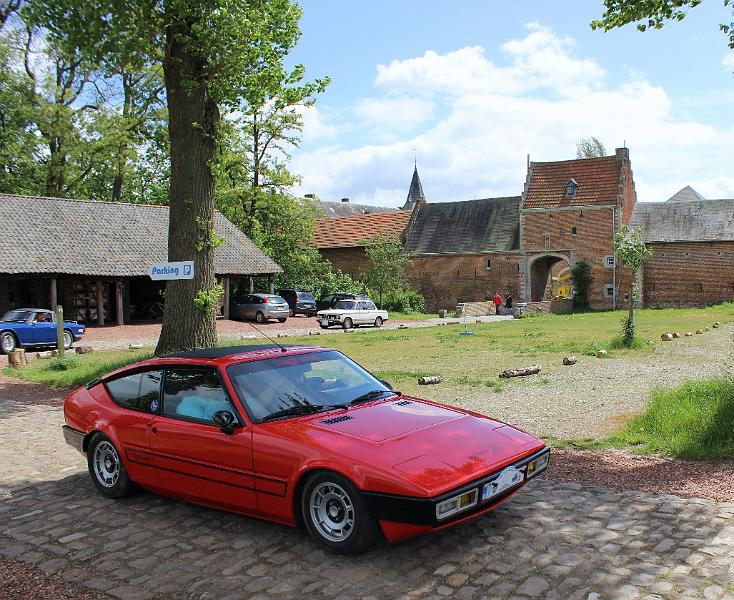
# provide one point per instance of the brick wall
(445, 281)
(689, 274)
(553, 232)
(352, 261)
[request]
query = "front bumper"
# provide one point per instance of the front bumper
(422, 511)
(74, 438)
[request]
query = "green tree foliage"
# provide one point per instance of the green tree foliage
(632, 252)
(581, 276)
(590, 147)
(651, 14)
(387, 265)
(214, 54)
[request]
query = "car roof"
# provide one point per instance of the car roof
(221, 352)
(33, 309)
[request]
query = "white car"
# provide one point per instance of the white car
(352, 313)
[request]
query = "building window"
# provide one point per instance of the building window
(609, 261)
(562, 232)
(571, 188)
(573, 231)
(609, 290)
(547, 239)
(489, 265)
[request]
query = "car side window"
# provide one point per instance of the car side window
(194, 394)
(361, 306)
(140, 391)
(370, 306)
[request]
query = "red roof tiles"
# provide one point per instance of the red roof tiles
(354, 231)
(597, 178)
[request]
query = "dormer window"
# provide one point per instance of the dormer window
(571, 187)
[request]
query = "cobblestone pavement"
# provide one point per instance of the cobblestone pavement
(552, 541)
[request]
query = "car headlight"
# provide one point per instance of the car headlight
(538, 465)
(456, 504)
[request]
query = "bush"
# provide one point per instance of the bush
(61, 363)
(404, 301)
(581, 275)
(695, 420)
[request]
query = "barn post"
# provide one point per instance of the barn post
(53, 290)
(100, 303)
(252, 284)
(271, 284)
(225, 286)
(60, 330)
(120, 308)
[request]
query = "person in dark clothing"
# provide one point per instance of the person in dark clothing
(508, 303)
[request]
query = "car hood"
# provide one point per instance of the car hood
(335, 311)
(434, 447)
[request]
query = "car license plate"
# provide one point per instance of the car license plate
(508, 478)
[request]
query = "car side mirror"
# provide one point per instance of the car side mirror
(387, 384)
(225, 420)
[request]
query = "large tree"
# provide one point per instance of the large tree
(652, 14)
(213, 53)
(590, 147)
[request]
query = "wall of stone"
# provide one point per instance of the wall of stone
(352, 261)
(444, 281)
(689, 274)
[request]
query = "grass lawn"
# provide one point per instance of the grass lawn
(401, 356)
(414, 316)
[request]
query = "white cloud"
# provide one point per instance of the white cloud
(315, 125)
(728, 60)
(478, 117)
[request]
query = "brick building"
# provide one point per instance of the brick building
(569, 211)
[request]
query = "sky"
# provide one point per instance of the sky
(469, 89)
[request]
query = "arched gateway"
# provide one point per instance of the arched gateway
(546, 273)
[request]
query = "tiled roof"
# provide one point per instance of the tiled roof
(107, 239)
(333, 210)
(700, 221)
(354, 231)
(597, 178)
(490, 224)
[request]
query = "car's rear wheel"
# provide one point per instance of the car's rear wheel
(259, 317)
(107, 471)
(378, 322)
(8, 342)
(68, 339)
(324, 326)
(282, 320)
(335, 514)
(348, 324)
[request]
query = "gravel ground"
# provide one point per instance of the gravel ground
(595, 396)
(19, 581)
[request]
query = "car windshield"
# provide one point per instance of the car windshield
(305, 296)
(19, 316)
(345, 304)
(290, 385)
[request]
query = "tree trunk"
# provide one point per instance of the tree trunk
(193, 119)
(632, 301)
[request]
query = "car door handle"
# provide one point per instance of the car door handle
(154, 429)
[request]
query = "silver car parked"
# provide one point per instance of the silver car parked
(260, 307)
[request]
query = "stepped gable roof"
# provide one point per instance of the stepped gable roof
(333, 210)
(415, 193)
(486, 225)
(354, 231)
(700, 221)
(597, 179)
(687, 194)
(106, 239)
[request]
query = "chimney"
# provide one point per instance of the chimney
(622, 153)
(345, 199)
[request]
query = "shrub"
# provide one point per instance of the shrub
(404, 301)
(581, 275)
(61, 363)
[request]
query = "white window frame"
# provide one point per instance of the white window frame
(609, 291)
(608, 261)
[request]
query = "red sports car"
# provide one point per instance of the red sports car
(296, 434)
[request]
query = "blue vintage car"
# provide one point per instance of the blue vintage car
(35, 327)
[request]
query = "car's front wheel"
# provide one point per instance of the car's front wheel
(348, 324)
(8, 342)
(335, 514)
(68, 339)
(106, 468)
(378, 322)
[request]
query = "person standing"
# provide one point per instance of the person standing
(508, 304)
(497, 303)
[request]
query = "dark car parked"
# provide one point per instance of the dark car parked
(301, 302)
(330, 300)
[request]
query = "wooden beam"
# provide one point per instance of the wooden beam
(120, 308)
(100, 303)
(271, 284)
(53, 290)
(225, 308)
(252, 284)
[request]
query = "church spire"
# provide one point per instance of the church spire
(415, 193)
